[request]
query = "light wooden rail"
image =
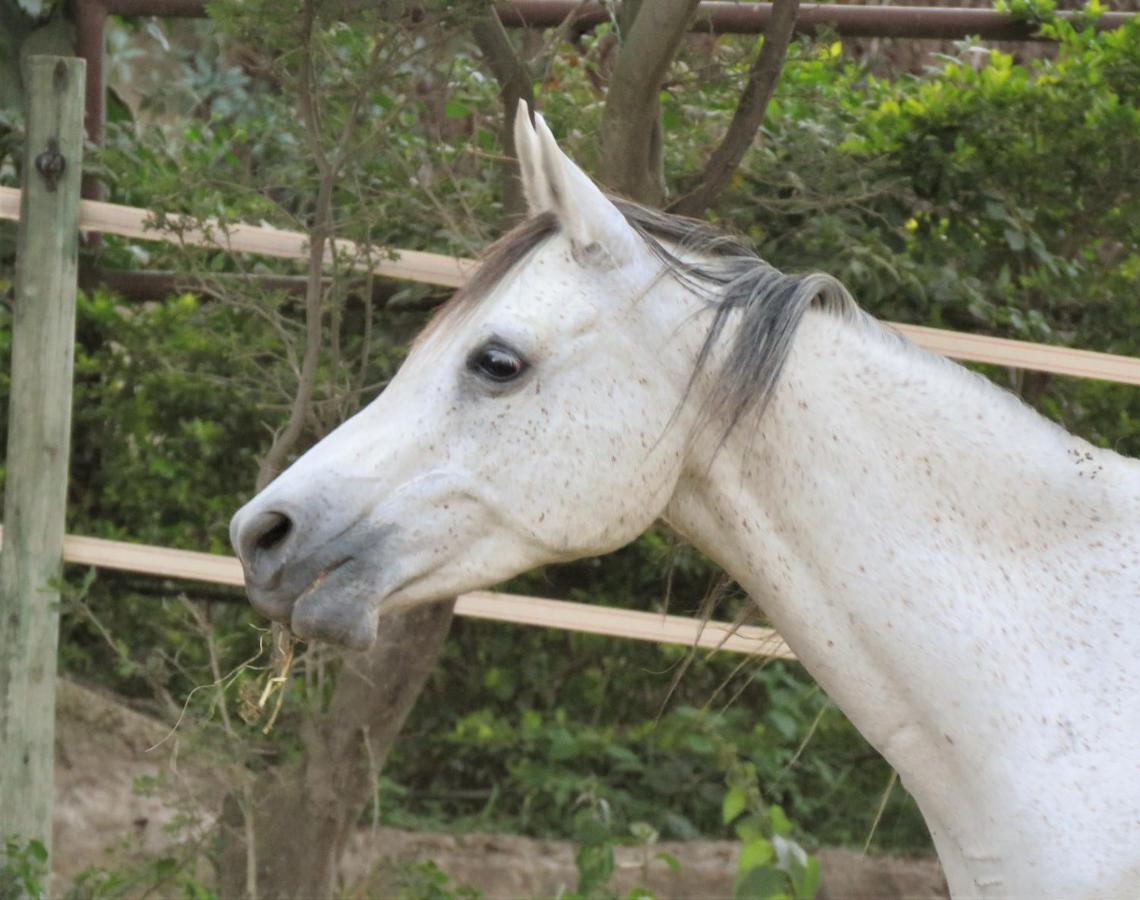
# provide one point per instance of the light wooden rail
(187, 565)
(143, 224)
(1023, 354)
(450, 271)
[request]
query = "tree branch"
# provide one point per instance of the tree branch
(329, 168)
(566, 31)
(309, 105)
(515, 83)
(631, 122)
(319, 233)
(750, 110)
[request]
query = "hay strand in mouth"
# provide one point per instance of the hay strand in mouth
(282, 654)
(284, 647)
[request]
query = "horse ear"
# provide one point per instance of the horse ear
(599, 234)
(535, 190)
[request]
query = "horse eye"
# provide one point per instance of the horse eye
(498, 363)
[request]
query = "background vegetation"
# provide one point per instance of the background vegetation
(982, 193)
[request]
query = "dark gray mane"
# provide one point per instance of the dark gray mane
(733, 279)
(727, 274)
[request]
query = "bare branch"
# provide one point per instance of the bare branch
(309, 104)
(352, 122)
(306, 384)
(750, 110)
(631, 160)
(329, 168)
(319, 234)
(515, 83)
(566, 31)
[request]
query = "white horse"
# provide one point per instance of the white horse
(960, 575)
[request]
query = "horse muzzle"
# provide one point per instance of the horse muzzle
(324, 589)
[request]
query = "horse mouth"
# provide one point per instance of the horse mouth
(318, 581)
(338, 605)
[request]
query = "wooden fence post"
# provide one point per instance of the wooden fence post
(39, 432)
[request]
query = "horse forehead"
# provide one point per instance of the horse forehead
(550, 293)
(547, 311)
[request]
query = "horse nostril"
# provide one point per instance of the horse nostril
(276, 527)
(263, 544)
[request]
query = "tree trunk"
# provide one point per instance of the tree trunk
(631, 157)
(282, 836)
(305, 810)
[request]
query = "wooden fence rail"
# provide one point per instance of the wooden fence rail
(451, 271)
(448, 271)
(187, 565)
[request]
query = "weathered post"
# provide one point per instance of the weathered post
(39, 430)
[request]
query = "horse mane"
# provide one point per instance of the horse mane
(733, 279)
(729, 276)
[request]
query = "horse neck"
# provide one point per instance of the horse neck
(959, 574)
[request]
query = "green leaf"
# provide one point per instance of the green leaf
(595, 864)
(784, 723)
(670, 860)
(779, 820)
(996, 210)
(624, 758)
(748, 829)
(644, 833)
(37, 851)
(806, 883)
(760, 884)
(456, 108)
(735, 802)
(755, 854)
(1015, 239)
(165, 866)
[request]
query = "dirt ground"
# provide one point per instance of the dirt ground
(117, 798)
(506, 866)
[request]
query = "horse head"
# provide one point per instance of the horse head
(529, 424)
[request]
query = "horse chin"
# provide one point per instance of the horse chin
(341, 608)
